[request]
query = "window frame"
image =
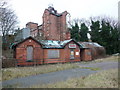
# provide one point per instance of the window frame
(53, 52)
(29, 60)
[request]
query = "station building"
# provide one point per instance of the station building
(33, 52)
(50, 42)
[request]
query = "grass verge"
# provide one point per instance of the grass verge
(104, 79)
(109, 58)
(10, 73)
(91, 68)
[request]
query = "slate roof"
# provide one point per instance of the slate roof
(92, 44)
(57, 44)
(48, 43)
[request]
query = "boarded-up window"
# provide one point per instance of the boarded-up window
(52, 54)
(88, 53)
(29, 53)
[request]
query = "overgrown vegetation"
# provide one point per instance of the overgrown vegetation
(104, 79)
(10, 73)
(16, 72)
(114, 58)
(109, 58)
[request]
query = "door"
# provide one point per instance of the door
(29, 53)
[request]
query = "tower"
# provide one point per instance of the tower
(54, 25)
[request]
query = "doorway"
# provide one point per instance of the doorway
(29, 53)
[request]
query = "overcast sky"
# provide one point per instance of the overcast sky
(32, 10)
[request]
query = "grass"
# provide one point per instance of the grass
(16, 72)
(12, 86)
(104, 79)
(0, 75)
(91, 68)
(10, 73)
(109, 58)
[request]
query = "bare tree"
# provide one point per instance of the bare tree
(2, 3)
(8, 20)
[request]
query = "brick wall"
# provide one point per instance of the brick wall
(86, 54)
(64, 54)
(33, 28)
(67, 51)
(40, 55)
(21, 53)
(54, 27)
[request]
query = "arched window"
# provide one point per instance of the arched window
(29, 53)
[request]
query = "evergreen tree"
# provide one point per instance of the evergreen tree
(83, 32)
(75, 32)
(114, 38)
(105, 36)
(95, 31)
(103, 31)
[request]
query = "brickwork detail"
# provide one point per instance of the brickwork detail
(54, 26)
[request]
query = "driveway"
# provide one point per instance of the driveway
(58, 76)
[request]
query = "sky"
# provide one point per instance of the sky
(32, 10)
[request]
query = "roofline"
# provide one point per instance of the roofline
(26, 39)
(31, 23)
(53, 48)
(42, 45)
(53, 13)
(75, 42)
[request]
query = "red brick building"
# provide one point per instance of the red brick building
(97, 51)
(54, 26)
(33, 28)
(33, 52)
(51, 43)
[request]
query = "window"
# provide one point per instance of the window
(35, 34)
(29, 53)
(72, 54)
(48, 22)
(40, 34)
(88, 53)
(53, 54)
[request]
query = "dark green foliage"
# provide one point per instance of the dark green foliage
(95, 31)
(104, 32)
(106, 35)
(79, 34)
(83, 32)
(75, 32)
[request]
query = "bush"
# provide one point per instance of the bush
(8, 62)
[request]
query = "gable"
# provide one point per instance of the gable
(27, 41)
(73, 43)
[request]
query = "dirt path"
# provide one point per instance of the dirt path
(58, 76)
